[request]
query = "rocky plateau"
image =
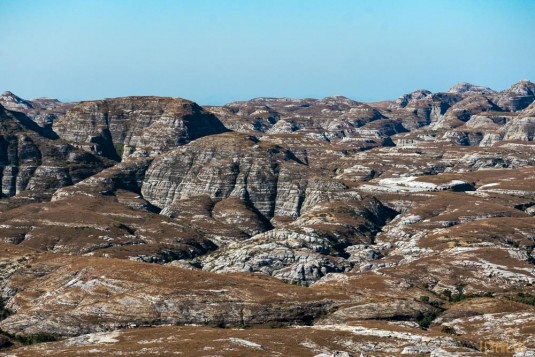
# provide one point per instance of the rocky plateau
(269, 227)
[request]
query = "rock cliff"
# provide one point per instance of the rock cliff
(120, 127)
(33, 162)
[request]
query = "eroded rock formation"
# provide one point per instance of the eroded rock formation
(397, 227)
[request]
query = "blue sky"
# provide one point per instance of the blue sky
(216, 51)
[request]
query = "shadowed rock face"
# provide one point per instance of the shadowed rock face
(43, 111)
(135, 125)
(389, 228)
(34, 163)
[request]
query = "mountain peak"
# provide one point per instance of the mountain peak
(523, 87)
(418, 94)
(13, 102)
(464, 87)
(9, 94)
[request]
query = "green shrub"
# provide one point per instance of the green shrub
(31, 339)
(449, 330)
(423, 286)
(425, 319)
(524, 298)
(38, 338)
(119, 149)
(447, 294)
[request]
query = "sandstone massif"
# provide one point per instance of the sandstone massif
(274, 226)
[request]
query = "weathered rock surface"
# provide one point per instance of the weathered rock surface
(41, 110)
(518, 97)
(308, 248)
(122, 127)
(375, 339)
(82, 295)
(330, 119)
(468, 88)
(229, 165)
(34, 162)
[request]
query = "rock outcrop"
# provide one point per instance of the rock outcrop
(223, 166)
(305, 250)
(44, 111)
(468, 89)
(121, 127)
(518, 97)
(329, 119)
(34, 162)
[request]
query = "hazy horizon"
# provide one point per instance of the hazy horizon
(213, 52)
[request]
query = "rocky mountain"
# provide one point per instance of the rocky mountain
(41, 110)
(469, 89)
(274, 226)
(120, 127)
